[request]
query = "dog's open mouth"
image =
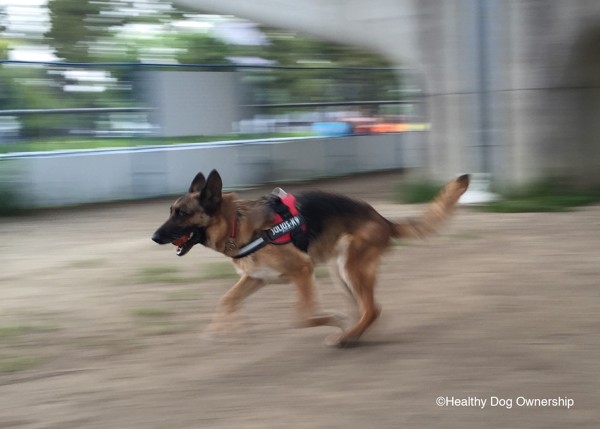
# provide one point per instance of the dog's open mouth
(188, 240)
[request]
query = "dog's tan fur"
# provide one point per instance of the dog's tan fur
(356, 242)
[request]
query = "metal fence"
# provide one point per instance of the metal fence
(88, 104)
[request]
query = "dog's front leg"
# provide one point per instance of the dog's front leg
(225, 319)
(307, 305)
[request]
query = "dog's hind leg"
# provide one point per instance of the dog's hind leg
(336, 272)
(360, 272)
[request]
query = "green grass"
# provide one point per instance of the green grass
(416, 192)
(11, 331)
(169, 274)
(164, 329)
(549, 195)
(160, 274)
(10, 204)
(321, 273)
(78, 143)
(403, 243)
(540, 204)
(11, 338)
(218, 270)
(15, 364)
(151, 313)
(157, 321)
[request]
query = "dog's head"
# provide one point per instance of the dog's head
(192, 213)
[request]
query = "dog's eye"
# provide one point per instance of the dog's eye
(181, 213)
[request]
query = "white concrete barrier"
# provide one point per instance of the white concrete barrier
(77, 177)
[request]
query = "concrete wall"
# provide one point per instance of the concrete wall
(191, 103)
(57, 179)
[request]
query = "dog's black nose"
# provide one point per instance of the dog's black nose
(157, 238)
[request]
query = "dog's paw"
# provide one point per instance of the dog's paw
(329, 318)
(223, 325)
(332, 340)
(211, 336)
(341, 341)
(341, 320)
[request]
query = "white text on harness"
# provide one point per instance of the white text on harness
(286, 226)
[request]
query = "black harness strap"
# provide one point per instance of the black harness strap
(258, 242)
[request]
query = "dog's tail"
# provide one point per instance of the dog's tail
(436, 212)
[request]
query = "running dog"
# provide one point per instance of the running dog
(268, 240)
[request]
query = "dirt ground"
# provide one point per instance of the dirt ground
(101, 328)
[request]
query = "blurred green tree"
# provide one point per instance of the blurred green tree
(318, 85)
(77, 26)
(73, 26)
(30, 88)
(201, 48)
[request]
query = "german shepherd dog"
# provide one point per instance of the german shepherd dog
(336, 226)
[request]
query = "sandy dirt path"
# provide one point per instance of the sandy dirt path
(100, 328)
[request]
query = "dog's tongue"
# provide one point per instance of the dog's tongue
(181, 241)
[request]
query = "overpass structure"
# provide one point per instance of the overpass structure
(512, 87)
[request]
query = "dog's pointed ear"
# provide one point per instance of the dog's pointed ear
(210, 197)
(198, 183)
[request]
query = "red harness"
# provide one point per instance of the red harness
(290, 201)
(288, 227)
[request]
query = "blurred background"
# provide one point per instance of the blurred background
(82, 75)
(459, 86)
(111, 101)
(95, 59)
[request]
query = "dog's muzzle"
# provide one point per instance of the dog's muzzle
(184, 241)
